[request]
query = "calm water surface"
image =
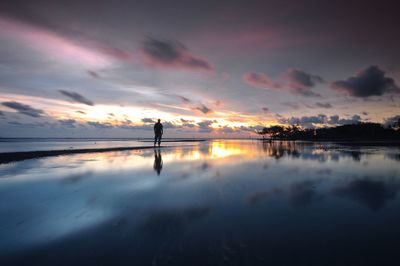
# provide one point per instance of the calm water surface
(213, 203)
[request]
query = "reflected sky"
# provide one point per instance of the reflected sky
(228, 202)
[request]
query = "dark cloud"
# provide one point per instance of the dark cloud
(100, 125)
(24, 109)
(260, 80)
(204, 109)
(347, 121)
(391, 121)
(1, 113)
(76, 97)
(265, 109)
(81, 112)
(295, 81)
(301, 82)
(310, 121)
(184, 99)
(94, 74)
(186, 121)
(323, 105)
(162, 53)
(367, 82)
(205, 126)
(305, 121)
(226, 129)
(67, 122)
(169, 125)
(148, 120)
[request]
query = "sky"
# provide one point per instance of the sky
(205, 68)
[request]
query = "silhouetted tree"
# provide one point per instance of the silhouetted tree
(360, 131)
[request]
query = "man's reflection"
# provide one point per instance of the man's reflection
(158, 163)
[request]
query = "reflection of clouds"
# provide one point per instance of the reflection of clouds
(160, 223)
(371, 193)
(259, 196)
(324, 171)
(303, 193)
(18, 168)
(75, 178)
(300, 194)
(393, 156)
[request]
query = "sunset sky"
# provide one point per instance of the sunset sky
(205, 68)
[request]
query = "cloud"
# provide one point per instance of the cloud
(183, 99)
(311, 121)
(367, 82)
(1, 113)
(390, 121)
(67, 122)
(226, 129)
(77, 97)
(301, 82)
(24, 109)
(294, 81)
(323, 105)
(100, 125)
(204, 109)
(265, 109)
(345, 121)
(168, 54)
(147, 120)
(305, 121)
(260, 80)
(205, 126)
(94, 74)
(55, 45)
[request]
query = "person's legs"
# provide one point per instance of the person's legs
(159, 139)
(155, 139)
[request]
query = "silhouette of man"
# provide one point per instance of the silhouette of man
(158, 163)
(158, 131)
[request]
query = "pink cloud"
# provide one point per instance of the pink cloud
(295, 81)
(260, 80)
(57, 46)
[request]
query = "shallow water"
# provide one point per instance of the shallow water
(213, 203)
(22, 144)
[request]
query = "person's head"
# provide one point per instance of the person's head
(159, 120)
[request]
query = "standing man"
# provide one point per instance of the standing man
(158, 131)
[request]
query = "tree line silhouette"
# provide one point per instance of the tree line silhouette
(354, 132)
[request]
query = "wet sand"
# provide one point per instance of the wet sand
(8, 157)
